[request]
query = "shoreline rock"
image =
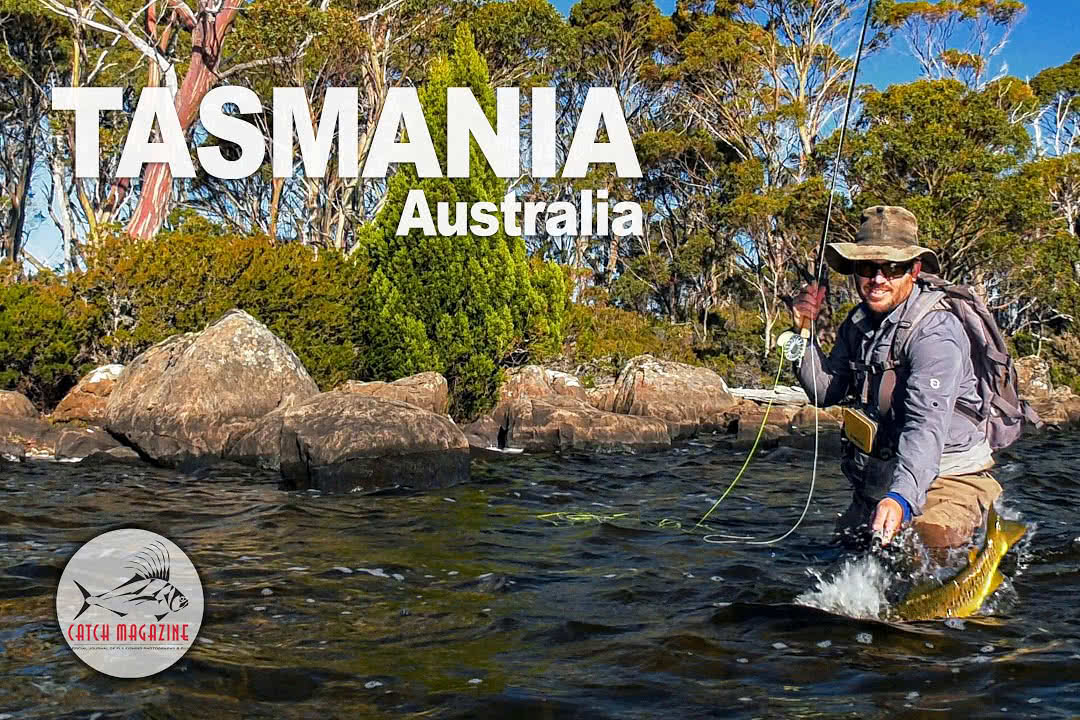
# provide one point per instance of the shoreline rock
(427, 390)
(689, 398)
(16, 405)
(185, 400)
(86, 401)
(560, 423)
(235, 392)
(341, 441)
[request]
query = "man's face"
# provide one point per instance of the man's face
(889, 285)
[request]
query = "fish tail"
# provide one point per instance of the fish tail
(1008, 530)
(86, 595)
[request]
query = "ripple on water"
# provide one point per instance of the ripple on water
(628, 615)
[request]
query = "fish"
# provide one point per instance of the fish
(963, 595)
(148, 592)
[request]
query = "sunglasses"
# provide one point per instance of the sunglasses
(891, 270)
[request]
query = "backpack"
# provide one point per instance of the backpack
(1001, 411)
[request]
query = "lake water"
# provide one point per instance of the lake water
(548, 587)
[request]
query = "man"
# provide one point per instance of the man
(926, 462)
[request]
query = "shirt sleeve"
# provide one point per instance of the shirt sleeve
(827, 379)
(937, 353)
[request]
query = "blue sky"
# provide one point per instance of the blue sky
(1046, 36)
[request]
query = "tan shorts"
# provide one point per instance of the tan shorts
(954, 510)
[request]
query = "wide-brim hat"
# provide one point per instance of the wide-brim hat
(887, 234)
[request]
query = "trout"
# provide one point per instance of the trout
(964, 594)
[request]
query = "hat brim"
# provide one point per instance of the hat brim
(843, 256)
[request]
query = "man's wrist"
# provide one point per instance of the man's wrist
(902, 502)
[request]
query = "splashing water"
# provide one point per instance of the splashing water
(857, 589)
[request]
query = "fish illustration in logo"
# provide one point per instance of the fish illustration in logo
(147, 592)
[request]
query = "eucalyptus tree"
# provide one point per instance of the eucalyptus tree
(955, 39)
(622, 44)
(173, 35)
(768, 81)
(32, 56)
(1057, 138)
(955, 158)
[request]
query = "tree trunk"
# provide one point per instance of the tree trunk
(207, 37)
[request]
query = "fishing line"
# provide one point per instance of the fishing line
(821, 264)
(718, 538)
(753, 448)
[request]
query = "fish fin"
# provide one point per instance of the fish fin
(1012, 531)
(1008, 530)
(121, 614)
(85, 594)
(161, 616)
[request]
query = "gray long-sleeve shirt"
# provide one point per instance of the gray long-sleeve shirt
(923, 429)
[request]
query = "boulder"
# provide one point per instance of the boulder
(749, 414)
(427, 390)
(564, 423)
(829, 418)
(602, 397)
(343, 441)
(1057, 408)
(32, 436)
(78, 444)
(16, 405)
(535, 382)
(688, 398)
(748, 435)
(185, 400)
(113, 456)
(86, 401)
(486, 433)
(1033, 377)
(11, 452)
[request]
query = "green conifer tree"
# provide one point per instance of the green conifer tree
(456, 305)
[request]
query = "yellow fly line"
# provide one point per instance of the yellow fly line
(579, 518)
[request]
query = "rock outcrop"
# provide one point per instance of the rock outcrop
(426, 390)
(688, 398)
(16, 405)
(87, 400)
(77, 444)
(186, 399)
(532, 382)
(343, 441)
(561, 423)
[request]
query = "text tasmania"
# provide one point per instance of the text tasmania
(292, 123)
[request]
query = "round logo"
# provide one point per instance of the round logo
(129, 603)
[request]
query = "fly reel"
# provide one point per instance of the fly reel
(794, 344)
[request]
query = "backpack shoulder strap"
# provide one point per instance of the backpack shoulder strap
(928, 301)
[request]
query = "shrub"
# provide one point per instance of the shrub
(40, 341)
(138, 293)
(456, 305)
(601, 338)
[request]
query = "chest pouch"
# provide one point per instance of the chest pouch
(860, 429)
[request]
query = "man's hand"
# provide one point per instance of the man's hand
(888, 517)
(807, 305)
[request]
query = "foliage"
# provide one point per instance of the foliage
(600, 338)
(137, 293)
(949, 155)
(457, 305)
(40, 339)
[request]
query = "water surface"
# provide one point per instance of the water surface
(549, 587)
